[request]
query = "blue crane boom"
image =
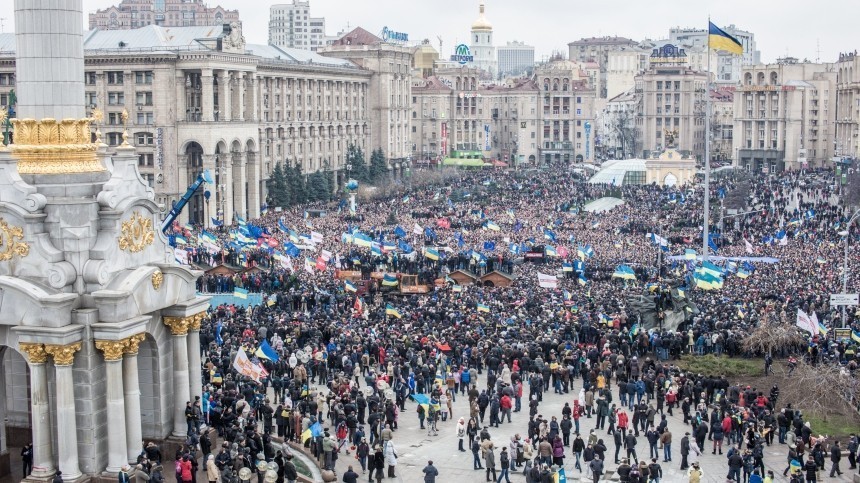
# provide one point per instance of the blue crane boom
(203, 177)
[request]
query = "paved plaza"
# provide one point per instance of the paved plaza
(415, 447)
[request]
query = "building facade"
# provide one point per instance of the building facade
(424, 59)
(785, 116)
(617, 134)
(673, 104)
(622, 66)
(233, 109)
(132, 14)
(292, 26)
(848, 106)
(515, 59)
(388, 94)
(482, 47)
(597, 49)
(568, 112)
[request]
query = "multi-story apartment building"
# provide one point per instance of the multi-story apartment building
(726, 67)
(785, 116)
(722, 125)
(292, 26)
(617, 133)
(567, 110)
(597, 49)
(452, 111)
(200, 101)
(848, 106)
(131, 14)
(622, 66)
(515, 59)
(389, 91)
(424, 58)
(672, 101)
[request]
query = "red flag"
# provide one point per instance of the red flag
(443, 223)
(562, 252)
(320, 263)
(358, 306)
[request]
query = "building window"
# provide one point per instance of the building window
(114, 138)
(145, 160)
(144, 139)
(114, 78)
(143, 77)
(89, 78)
(116, 99)
(144, 99)
(145, 118)
(90, 98)
(114, 119)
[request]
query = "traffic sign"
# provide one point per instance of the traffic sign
(849, 299)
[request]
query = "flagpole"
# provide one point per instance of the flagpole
(707, 202)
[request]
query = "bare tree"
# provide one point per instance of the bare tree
(773, 336)
(626, 129)
(823, 390)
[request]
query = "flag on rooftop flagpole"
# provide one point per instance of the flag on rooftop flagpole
(719, 39)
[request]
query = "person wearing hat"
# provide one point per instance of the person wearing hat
(695, 473)
(58, 478)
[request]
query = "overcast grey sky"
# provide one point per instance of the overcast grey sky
(793, 27)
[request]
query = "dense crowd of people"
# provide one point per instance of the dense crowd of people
(346, 366)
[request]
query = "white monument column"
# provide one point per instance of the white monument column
(43, 453)
(239, 183)
(182, 394)
(49, 60)
(195, 371)
(67, 434)
(240, 95)
(131, 387)
(117, 446)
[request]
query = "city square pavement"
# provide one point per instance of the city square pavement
(414, 447)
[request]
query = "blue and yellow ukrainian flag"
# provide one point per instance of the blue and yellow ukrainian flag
(690, 254)
(581, 279)
(550, 251)
(719, 39)
(822, 329)
(493, 226)
(240, 293)
(483, 308)
(431, 253)
(855, 336)
(456, 288)
(389, 280)
(390, 310)
(567, 267)
(180, 240)
(742, 273)
(350, 287)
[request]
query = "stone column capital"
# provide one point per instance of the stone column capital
(195, 321)
(178, 325)
(113, 349)
(64, 355)
(132, 343)
(35, 352)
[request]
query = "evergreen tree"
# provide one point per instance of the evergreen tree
(355, 157)
(318, 186)
(279, 188)
(378, 166)
(298, 185)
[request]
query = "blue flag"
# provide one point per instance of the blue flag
(489, 246)
(215, 222)
(268, 351)
(399, 231)
(218, 338)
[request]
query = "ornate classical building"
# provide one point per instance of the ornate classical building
(200, 98)
(100, 328)
(131, 14)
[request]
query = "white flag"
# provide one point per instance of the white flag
(805, 323)
(316, 237)
(547, 281)
(417, 229)
(181, 255)
(748, 245)
(244, 366)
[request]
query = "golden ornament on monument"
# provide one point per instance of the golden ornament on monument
(137, 234)
(157, 279)
(10, 244)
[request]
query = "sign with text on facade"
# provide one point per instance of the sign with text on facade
(462, 55)
(389, 35)
(765, 88)
(847, 299)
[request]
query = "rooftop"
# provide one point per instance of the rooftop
(606, 40)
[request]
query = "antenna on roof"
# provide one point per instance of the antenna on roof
(817, 51)
(2, 21)
(440, 43)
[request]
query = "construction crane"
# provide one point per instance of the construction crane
(203, 177)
